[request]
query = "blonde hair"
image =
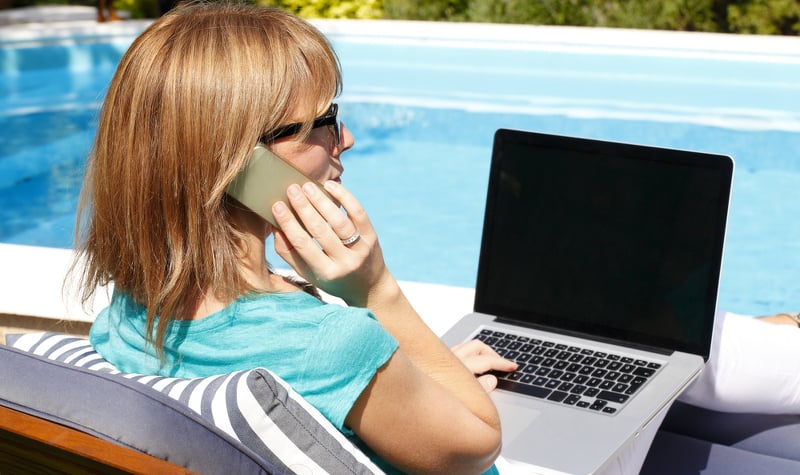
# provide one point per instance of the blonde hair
(189, 100)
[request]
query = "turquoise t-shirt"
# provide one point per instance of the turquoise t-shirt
(326, 352)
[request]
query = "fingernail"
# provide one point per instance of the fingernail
(293, 191)
(330, 185)
(310, 189)
(279, 208)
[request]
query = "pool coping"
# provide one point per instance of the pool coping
(42, 25)
(33, 285)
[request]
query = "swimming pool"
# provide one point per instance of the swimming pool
(423, 106)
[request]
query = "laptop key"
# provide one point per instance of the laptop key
(542, 371)
(598, 405)
(572, 399)
(612, 396)
(620, 388)
(535, 391)
(578, 389)
(565, 386)
(633, 388)
(557, 396)
(552, 383)
(644, 372)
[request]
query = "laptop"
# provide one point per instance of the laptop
(598, 273)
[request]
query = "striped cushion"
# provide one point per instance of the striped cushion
(255, 407)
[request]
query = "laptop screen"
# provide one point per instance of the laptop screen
(622, 242)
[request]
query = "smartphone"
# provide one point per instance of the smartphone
(263, 182)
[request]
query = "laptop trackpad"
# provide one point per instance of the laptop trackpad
(515, 418)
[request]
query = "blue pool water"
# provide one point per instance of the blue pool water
(423, 114)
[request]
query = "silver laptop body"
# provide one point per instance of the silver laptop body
(604, 249)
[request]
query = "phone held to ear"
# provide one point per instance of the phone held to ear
(264, 181)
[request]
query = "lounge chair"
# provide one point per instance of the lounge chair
(63, 408)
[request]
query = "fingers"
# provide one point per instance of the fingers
(355, 212)
(488, 381)
(479, 358)
(334, 250)
(322, 218)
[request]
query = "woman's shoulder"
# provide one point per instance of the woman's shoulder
(294, 306)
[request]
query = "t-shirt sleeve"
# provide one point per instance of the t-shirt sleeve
(350, 348)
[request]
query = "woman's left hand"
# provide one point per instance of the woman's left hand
(480, 358)
(322, 255)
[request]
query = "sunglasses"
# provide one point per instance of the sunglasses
(328, 119)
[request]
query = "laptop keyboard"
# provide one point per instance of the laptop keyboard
(562, 373)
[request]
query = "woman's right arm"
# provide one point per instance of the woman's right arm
(424, 411)
(419, 426)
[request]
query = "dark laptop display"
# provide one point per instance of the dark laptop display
(622, 247)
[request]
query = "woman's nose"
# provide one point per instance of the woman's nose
(347, 140)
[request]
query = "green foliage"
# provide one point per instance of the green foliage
(771, 17)
(361, 9)
(546, 12)
(668, 15)
(730, 16)
(686, 15)
(450, 10)
(138, 8)
(765, 17)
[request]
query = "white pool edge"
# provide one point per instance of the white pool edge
(32, 285)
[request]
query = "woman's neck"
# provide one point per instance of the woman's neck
(254, 269)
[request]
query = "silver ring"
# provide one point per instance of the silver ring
(355, 237)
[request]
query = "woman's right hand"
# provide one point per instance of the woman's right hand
(480, 359)
(353, 272)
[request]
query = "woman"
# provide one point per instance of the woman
(194, 295)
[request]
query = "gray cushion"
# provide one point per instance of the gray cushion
(244, 422)
(700, 441)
